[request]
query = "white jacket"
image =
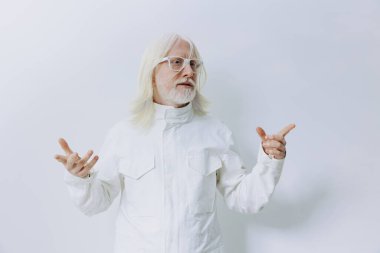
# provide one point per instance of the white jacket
(168, 179)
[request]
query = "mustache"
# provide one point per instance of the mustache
(185, 80)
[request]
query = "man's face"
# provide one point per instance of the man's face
(167, 87)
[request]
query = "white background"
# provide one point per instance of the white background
(69, 69)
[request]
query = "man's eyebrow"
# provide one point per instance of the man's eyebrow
(181, 55)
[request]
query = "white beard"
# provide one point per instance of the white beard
(181, 96)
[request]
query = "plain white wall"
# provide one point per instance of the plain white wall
(69, 69)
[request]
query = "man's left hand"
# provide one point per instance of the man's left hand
(274, 145)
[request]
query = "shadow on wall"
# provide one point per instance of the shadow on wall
(280, 213)
(283, 214)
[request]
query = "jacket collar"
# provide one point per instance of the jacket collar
(173, 115)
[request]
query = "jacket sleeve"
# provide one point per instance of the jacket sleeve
(243, 191)
(96, 193)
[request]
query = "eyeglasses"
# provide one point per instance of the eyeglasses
(177, 63)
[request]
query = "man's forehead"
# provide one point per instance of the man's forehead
(180, 48)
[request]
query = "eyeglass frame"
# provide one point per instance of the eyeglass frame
(186, 61)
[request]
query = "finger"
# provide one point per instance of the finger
(273, 151)
(286, 130)
(84, 172)
(83, 161)
(77, 168)
(61, 158)
(261, 133)
(71, 160)
(276, 153)
(274, 144)
(91, 163)
(277, 137)
(65, 146)
(86, 157)
(79, 165)
(86, 169)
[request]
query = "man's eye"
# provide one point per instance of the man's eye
(177, 61)
(194, 64)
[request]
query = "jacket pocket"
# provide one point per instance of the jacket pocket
(201, 180)
(135, 168)
(140, 193)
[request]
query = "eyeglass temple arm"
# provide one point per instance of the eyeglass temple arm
(163, 59)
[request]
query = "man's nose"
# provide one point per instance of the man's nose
(187, 71)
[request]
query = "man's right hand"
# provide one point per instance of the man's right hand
(73, 163)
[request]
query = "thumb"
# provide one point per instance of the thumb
(261, 133)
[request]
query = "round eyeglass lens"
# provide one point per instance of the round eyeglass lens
(176, 63)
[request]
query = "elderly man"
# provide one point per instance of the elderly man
(168, 159)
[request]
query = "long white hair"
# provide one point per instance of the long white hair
(142, 108)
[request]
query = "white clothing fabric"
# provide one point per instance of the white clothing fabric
(168, 178)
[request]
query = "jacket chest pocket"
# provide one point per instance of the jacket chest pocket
(201, 181)
(140, 193)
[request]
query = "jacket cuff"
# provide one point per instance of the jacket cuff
(72, 179)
